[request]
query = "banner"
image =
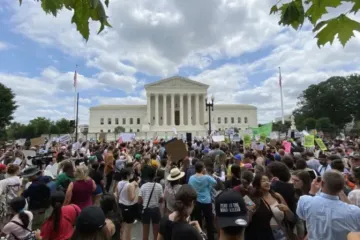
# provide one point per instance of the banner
(64, 138)
(309, 141)
(321, 144)
(127, 137)
(265, 129)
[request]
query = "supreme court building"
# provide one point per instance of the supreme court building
(175, 106)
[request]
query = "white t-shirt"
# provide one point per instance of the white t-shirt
(145, 192)
(10, 186)
(12, 228)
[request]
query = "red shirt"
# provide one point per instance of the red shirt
(69, 214)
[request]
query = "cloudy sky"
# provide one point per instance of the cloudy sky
(235, 46)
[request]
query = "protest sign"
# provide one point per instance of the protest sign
(309, 141)
(247, 140)
(37, 141)
(127, 137)
(220, 138)
(321, 144)
(176, 149)
(265, 129)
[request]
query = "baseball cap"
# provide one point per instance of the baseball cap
(137, 156)
(238, 157)
(90, 219)
(231, 209)
(2, 167)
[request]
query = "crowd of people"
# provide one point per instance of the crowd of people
(225, 191)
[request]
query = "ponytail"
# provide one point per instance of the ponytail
(181, 210)
(56, 215)
(24, 218)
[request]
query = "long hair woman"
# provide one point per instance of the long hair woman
(270, 211)
(80, 191)
(112, 212)
(170, 225)
(20, 225)
(127, 197)
(59, 226)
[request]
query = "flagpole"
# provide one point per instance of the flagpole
(75, 92)
(281, 97)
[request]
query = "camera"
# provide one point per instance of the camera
(41, 159)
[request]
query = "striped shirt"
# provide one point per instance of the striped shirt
(145, 192)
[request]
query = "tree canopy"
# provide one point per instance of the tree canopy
(295, 12)
(329, 104)
(37, 127)
(84, 11)
(7, 106)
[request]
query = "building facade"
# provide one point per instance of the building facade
(175, 106)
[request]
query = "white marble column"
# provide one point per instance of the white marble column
(197, 109)
(148, 109)
(181, 98)
(189, 109)
(165, 110)
(156, 109)
(172, 110)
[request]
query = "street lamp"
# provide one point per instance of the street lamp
(209, 105)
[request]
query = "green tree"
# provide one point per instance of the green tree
(54, 129)
(84, 11)
(41, 125)
(295, 12)
(310, 123)
(334, 98)
(63, 125)
(119, 129)
(279, 127)
(7, 106)
(324, 124)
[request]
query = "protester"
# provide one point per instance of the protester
(326, 204)
(20, 225)
(60, 224)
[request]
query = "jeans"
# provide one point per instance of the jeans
(204, 210)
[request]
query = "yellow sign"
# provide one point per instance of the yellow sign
(321, 144)
(309, 141)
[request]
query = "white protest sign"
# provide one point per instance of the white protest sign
(64, 138)
(236, 138)
(220, 138)
(174, 130)
(20, 142)
(127, 137)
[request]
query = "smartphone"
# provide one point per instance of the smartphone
(318, 179)
(248, 201)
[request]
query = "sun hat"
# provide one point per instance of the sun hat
(175, 174)
(30, 171)
(231, 209)
(90, 219)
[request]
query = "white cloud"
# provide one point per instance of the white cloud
(223, 40)
(3, 46)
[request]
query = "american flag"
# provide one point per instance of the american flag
(75, 79)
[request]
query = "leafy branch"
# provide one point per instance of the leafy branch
(293, 14)
(84, 10)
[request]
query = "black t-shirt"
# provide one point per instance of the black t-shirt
(170, 230)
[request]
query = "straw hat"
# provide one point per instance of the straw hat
(175, 174)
